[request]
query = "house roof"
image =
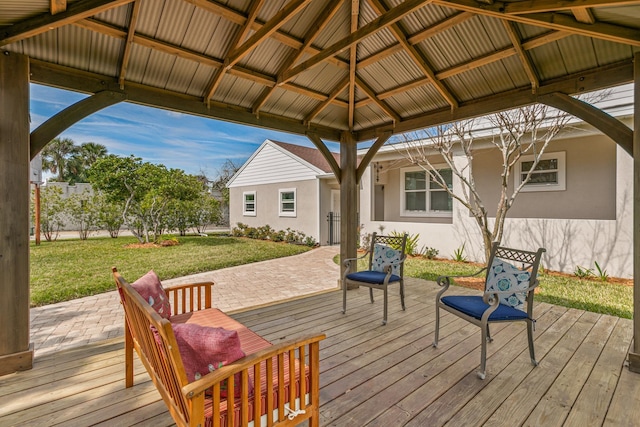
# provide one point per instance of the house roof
(311, 155)
(326, 66)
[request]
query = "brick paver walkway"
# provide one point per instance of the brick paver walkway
(78, 322)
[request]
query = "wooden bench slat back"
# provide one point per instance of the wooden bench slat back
(167, 373)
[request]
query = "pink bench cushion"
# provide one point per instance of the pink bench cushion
(250, 342)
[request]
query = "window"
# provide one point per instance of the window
(287, 202)
(548, 175)
(422, 196)
(249, 203)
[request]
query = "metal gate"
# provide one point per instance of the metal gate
(333, 219)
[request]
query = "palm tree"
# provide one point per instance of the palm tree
(80, 162)
(55, 155)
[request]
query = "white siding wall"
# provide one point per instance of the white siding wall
(271, 165)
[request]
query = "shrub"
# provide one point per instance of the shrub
(429, 253)
(582, 272)
(458, 254)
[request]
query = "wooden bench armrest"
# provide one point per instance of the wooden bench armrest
(189, 297)
(198, 387)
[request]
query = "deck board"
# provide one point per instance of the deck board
(374, 374)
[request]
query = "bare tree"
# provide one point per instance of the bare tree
(526, 131)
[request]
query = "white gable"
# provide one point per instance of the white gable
(271, 164)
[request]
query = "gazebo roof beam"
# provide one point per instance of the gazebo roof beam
(124, 63)
(554, 21)
(386, 108)
(58, 6)
(417, 57)
(584, 15)
(239, 37)
(600, 78)
(170, 49)
(319, 25)
(526, 7)
(47, 22)
(336, 91)
(524, 58)
(278, 20)
(372, 27)
(476, 63)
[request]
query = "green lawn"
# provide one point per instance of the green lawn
(591, 295)
(68, 269)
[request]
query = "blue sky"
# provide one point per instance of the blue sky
(175, 140)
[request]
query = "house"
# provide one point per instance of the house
(584, 216)
(286, 186)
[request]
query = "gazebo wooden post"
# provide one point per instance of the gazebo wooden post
(634, 354)
(15, 352)
(348, 198)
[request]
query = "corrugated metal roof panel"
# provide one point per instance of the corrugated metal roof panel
(322, 78)
(336, 29)
(18, 10)
(138, 63)
(158, 68)
(425, 17)
(578, 53)
(79, 41)
(117, 16)
(237, 91)
(149, 18)
(333, 116)
(299, 24)
(268, 58)
(181, 75)
(548, 61)
(201, 80)
(608, 52)
(269, 8)
(391, 72)
(224, 33)
(627, 16)
(507, 74)
(417, 101)
(370, 115)
(292, 105)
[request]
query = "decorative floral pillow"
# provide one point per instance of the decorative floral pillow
(383, 256)
(150, 288)
(204, 349)
(506, 277)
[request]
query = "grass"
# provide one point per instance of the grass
(592, 294)
(68, 269)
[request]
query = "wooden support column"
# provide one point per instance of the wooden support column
(15, 352)
(634, 354)
(348, 199)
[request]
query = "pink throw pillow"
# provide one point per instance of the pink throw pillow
(151, 290)
(204, 349)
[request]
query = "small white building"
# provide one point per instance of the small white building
(286, 186)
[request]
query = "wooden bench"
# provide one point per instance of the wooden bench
(279, 383)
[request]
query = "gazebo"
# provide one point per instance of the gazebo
(348, 71)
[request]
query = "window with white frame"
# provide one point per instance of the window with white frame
(287, 202)
(548, 175)
(249, 203)
(422, 195)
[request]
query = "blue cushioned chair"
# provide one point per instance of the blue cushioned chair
(508, 296)
(386, 267)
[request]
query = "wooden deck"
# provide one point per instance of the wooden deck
(376, 375)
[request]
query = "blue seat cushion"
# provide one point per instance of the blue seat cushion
(474, 306)
(375, 277)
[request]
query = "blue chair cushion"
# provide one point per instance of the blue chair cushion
(375, 277)
(474, 306)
